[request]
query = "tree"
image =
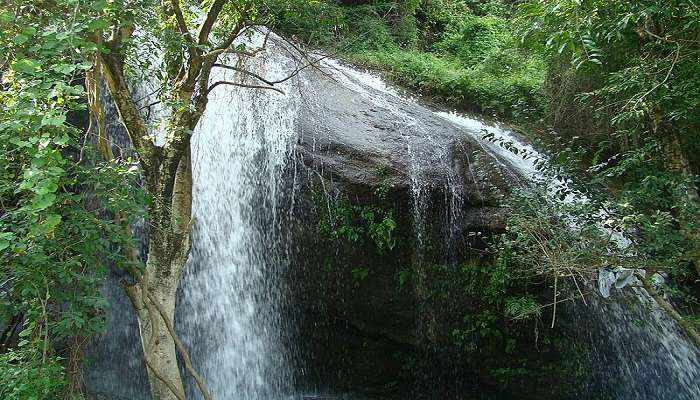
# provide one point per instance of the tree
(192, 42)
(57, 233)
(642, 57)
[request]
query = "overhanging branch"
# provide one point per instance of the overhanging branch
(214, 85)
(246, 72)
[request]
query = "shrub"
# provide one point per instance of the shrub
(24, 375)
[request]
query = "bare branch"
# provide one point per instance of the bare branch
(243, 85)
(224, 46)
(245, 71)
(150, 105)
(310, 62)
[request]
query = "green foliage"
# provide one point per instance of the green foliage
(462, 54)
(490, 87)
(25, 376)
(471, 38)
(359, 275)
(632, 67)
(405, 27)
(495, 309)
(353, 223)
(57, 230)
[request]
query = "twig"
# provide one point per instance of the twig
(668, 75)
(245, 71)
(577, 287)
(554, 308)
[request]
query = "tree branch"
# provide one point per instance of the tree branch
(224, 46)
(243, 85)
(208, 23)
(111, 68)
(246, 72)
(181, 24)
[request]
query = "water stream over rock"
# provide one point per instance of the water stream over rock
(252, 152)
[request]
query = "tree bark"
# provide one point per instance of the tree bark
(154, 293)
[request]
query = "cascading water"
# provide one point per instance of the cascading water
(230, 313)
(426, 151)
(638, 349)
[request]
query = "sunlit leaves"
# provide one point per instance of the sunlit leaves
(56, 221)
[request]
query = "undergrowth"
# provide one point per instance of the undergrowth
(461, 57)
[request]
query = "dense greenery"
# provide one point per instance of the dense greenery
(463, 54)
(58, 226)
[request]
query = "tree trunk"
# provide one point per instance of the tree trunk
(154, 293)
(159, 349)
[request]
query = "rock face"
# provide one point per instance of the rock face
(367, 151)
(359, 134)
(386, 201)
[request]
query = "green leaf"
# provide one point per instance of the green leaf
(64, 68)
(25, 66)
(20, 38)
(44, 201)
(53, 120)
(98, 5)
(52, 221)
(99, 23)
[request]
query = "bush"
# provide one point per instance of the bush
(468, 57)
(471, 39)
(25, 376)
(511, 94)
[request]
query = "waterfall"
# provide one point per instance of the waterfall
(230, 310)
(427, 152)
(639, 349)
(640, 352)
